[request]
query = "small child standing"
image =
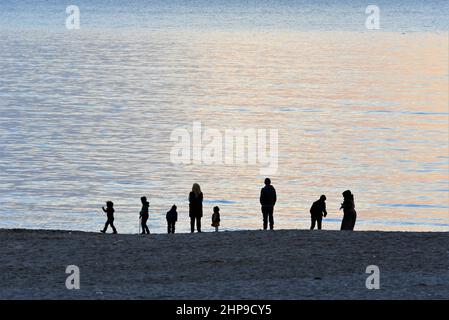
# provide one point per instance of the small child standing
(216, 218)
(172, 217)
(110, 214)
(144, 215)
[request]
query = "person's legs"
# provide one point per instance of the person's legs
(265, 217)
(168, 227)
(313, 223)
(270, 215)
(147, 230)
(216, 229)
(105, 226)
(319, 220)
(198, 224)
(192, 224)
(111, 223)
(173, 227)
(143, 223)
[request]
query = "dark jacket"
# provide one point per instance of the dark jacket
(109, 213)
(195, 205)
(215, 217)
(318, 208)
(172, 215)
(268, 196)
(144, 212)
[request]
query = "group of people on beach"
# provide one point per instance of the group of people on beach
(267, 201)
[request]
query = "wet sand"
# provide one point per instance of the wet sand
(281, 264)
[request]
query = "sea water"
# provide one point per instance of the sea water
(86, 115)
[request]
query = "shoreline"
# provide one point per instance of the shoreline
(208, 231)
(279, 264)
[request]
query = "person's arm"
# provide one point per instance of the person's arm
(104, 209)
(261, 197)
(274, 199)
(324, 209)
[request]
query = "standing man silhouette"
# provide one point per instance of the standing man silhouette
(267, 201)
(316, 212)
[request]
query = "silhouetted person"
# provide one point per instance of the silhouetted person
(349, 213)
(216, 218)
(317, 211)
(110, 214)
(144, 215)
(172, 217)
(267, 201)
(195, 207)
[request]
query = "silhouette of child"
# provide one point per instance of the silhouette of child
(172, 217)
(110, 214)
(144, 215)
(216, 218)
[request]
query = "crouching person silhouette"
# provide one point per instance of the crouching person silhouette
(317, 211)
(110, 214)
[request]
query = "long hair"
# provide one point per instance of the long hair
(348, 200)
(347, 195)
(196, 189)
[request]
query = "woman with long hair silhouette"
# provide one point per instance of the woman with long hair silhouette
(195, 207)
(349, 213)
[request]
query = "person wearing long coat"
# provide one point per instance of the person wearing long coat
(349, 213)
(195, 207)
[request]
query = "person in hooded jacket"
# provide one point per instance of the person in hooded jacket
(172, 217)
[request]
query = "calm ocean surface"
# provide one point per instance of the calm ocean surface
(86, 115)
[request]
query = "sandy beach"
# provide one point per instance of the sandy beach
(281, 264)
